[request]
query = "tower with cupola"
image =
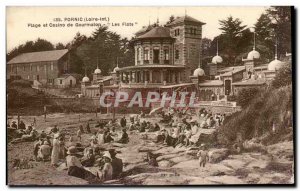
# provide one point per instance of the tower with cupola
(187, 32)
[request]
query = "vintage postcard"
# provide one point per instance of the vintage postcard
(150, 96)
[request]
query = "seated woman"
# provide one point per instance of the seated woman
(124, 139)
(89, 158)
(75, 167)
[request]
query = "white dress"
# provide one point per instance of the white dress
(55, 152)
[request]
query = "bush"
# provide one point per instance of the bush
(283, 77)
(20, 83)
(245, 96)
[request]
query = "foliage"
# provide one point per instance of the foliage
(281, 19)
(104, 48)
(256, 119)
(246, 95)
(283, 77)
(21, 83)
(236, 39)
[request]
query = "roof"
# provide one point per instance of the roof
(177, 85)
(234, 71)
(143, 30)
(157, 32)
(261, 67)
(211, 83)
(185, 18)
(105, 78)
(250, 82)
(43, 56)
(77, 76)
(227, 69)
(150, 66)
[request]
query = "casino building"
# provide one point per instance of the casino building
(168, 58)
(165, 58)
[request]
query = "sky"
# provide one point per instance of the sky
(27, 23)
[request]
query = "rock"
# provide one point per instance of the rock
(200, 181)
(189, 164)
(233, 163)
(253, 178)
(253, 145)
(274, 178)
(164, 163)
(192, 153)
(282, 150)
(217, 155)
(225, 179)
(258, 164)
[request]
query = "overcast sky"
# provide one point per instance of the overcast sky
(18, 19)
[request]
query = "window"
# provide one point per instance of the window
(23, 68)
(60, 81)
(37, 68)
(176, 54)
(138, 54)
(166, 54)
(177, 32)
(51, 65)
(156, 55)
(146, 54)
(195, 31)
(30, 67)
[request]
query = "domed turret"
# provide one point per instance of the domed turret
(275, 64)
(199, 72)
(253, 55)
(97, 71)
(217, 59)
(85, 79)
(116, 69)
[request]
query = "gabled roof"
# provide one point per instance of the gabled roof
(52, 55)
(77, 76)
(157, 32)
(184, 19)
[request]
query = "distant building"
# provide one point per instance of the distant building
(165, 57)
(42, 68)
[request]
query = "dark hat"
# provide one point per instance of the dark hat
(112, 151)
(13, 122)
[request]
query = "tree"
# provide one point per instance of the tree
(264, 37)
(232, 33)
(59, 46)
(171, 19)
(104, 48)
(76, 64)
(281, 23)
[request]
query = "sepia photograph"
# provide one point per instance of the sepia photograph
(150, 96)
